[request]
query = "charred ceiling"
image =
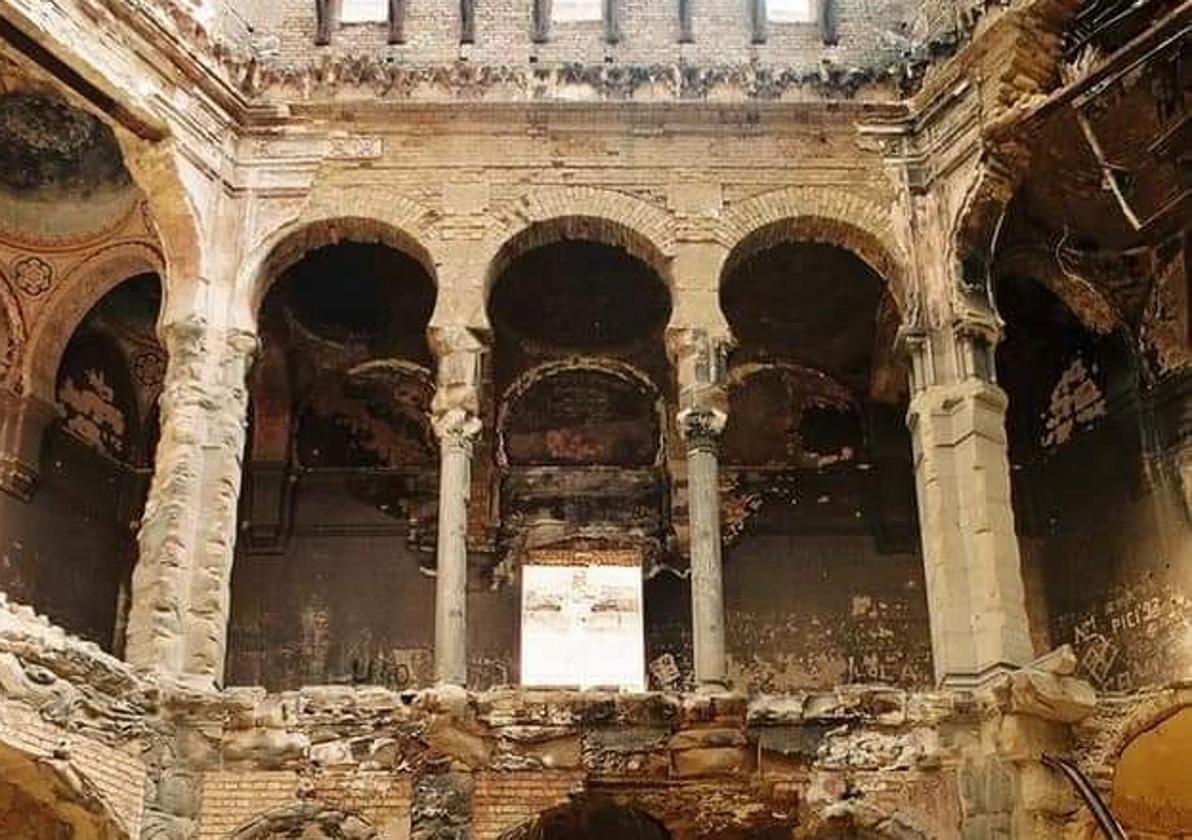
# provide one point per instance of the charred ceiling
(580, 377)
(811, 304)
(579, 296)
(48, 148)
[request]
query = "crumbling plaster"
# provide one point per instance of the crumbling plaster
(236, 193)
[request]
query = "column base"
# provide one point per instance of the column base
(708, 687)
(978, 679)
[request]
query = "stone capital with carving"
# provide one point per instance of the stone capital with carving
(701, 428)
(456, 428)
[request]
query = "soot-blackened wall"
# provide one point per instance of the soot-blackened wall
(1106, 545)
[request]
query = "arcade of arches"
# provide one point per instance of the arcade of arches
(413, 444)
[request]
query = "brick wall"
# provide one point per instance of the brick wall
(870, 32)
(117, 774)
(504, 800)
(232, 798)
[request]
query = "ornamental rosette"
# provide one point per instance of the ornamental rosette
(34, 276)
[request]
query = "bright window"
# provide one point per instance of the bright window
(790, 11)
(582, 626)
(363, 11)
(563, 11)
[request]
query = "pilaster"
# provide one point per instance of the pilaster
(971, 559)
(180, 588)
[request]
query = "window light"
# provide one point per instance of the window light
(790, 11)
(363, 11)
(567, 11)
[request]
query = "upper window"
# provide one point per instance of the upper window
(790, 11)
(565, 11)
(363, 11)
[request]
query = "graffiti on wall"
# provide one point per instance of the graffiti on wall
(1135, 637)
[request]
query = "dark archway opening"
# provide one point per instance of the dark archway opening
(580, 381)
(820, 518)
(332, 579)
(1104, 540)
(592, 819)
(71, 548)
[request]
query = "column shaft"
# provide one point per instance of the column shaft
(701, 430)
(974, 583)
(456, 430)
(181, 584)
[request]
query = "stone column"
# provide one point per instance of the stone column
(975, 593)
(698, 355)
(455, 417)
(211, 577)
(180, 588)
(701, 429)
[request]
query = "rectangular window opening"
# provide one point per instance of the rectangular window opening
(790, 11)
(364, 11)
(582, 626)
(576, 11)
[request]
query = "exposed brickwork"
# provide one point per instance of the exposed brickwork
(504, 800)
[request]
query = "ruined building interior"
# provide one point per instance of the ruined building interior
(629, 419)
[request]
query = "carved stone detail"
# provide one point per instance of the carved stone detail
(180, 585)
(701, 428)
(34, 276)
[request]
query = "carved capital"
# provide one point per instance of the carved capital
(456, 428)
(701, 428)
(186, 337)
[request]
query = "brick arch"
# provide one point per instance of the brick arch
(83, 286)
(172, 216)
(816, 214)
(334, 213)
(63, 792)
(1081, 297)
(567, 817)
(552, 214)
(1152, 712)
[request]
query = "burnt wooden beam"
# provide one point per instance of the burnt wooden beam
(825, 19)
(324, 15)
(612, 22)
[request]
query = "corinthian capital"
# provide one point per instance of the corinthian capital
(701, 427)
(456, 428)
